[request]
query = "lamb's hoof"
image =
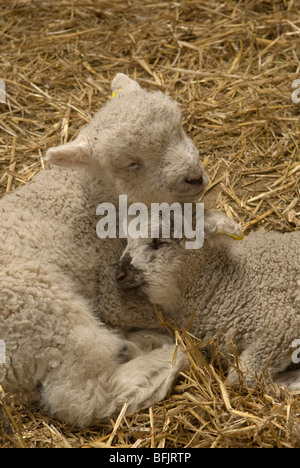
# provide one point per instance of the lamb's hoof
(128, 352)
(148, 340)
(232, 377)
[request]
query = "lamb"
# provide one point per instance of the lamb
(58, 352)
(246, 291)
(121, 286)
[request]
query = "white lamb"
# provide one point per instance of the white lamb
(57, 351)
(245, 291)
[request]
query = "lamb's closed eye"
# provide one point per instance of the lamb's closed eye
(159, 243)
(133, 166)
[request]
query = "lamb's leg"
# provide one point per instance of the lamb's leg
(148, 340)
(92, 384)
(290, 380)
(56, 349)
(243, 365)
(272, 348)
(147, 379)
(265, 355)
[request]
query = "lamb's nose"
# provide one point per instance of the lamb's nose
(120, 276)
(198, 181)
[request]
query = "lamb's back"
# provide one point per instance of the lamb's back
(53, 219)
(245, 287)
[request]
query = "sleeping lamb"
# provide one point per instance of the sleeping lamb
(121, 292)
(247, 291)
(57, 351)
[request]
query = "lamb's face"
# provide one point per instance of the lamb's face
(160, 268)
(148, 155)
(136, 140)
(153, 266)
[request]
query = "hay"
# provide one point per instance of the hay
(200, 412)
(231, 66)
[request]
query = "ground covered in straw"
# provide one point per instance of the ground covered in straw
(231, 66)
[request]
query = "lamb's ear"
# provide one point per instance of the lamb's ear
(124, 83)
(76, 153)
(219, 223)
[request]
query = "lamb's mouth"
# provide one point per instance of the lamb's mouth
(192, 197)
(127, 276)
(192, 194)
(129, 283)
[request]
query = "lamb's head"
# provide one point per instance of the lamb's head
(162, 267)
(152, 267)
(136, 140)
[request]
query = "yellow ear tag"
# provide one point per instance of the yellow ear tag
(115, 93)
(237, 238)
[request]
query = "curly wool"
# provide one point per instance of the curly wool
(248, 291)
(57, 350)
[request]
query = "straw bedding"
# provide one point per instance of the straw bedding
(231, 66)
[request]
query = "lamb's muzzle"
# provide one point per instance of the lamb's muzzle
(198, 181)
(127, 276)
